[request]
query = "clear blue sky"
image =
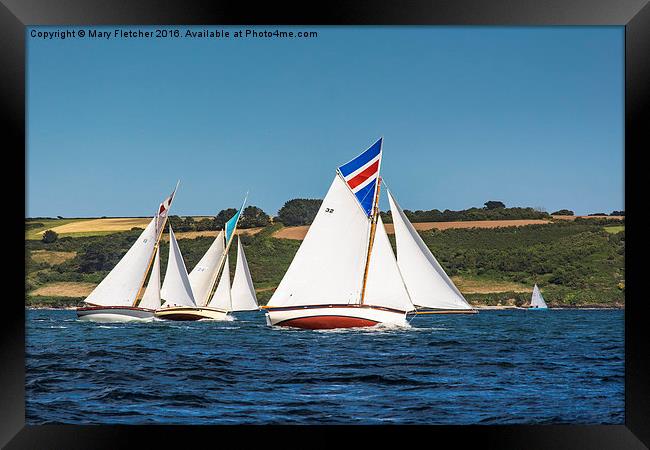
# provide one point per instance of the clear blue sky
(528, 116)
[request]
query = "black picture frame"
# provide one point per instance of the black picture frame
(15, 15)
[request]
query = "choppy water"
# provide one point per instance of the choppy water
(558, 366)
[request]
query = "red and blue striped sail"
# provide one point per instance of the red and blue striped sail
(361, 175)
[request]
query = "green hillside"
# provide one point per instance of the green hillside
(575, 263)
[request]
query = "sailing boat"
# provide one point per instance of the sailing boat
(116, 297)
(203, 301)
(431, 290)
(537, 301)
(344, 273)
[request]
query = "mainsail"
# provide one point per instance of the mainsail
(151, 297)
(330, 264)
(426, 281)
(176, 289)
(537, 301)
(221, 298)
(203, 276)
(242, 292)
(122, 284)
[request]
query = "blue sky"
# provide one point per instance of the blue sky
(528, 116)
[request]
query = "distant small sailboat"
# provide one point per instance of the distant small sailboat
(344, 273)
(537, 301)
(116, 297)
(431, 290)
(213, 269)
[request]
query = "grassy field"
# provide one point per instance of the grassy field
(65, 289)
(45, 224)
(615, 229)
(52, 258)
(468, 284)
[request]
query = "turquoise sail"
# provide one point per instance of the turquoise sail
(231, 225)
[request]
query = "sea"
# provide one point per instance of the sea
(495, 367)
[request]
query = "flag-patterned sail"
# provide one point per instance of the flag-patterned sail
(361, 175)
(163, 210)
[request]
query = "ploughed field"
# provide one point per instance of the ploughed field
(299, 232)
(576, 263)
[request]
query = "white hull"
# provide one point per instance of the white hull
(114, 314)
(185, 313)
(333, 316)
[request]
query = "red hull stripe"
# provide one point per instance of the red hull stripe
(327, 322)
(182, 317)
(363, 176)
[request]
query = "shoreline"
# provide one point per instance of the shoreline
(480, 308)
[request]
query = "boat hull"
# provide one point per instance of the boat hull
(324, 317)
(191, 314)
(114, 314)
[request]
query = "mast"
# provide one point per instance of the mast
(155, 247)
(373, 228)
(225, 252)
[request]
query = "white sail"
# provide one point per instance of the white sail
(242, 292)
(221, 298)
(328, 267)
(384, 285)
(537, 301)
(176, 289)
(203, 276)
(122, 284)
(151, 297)
(426, 281)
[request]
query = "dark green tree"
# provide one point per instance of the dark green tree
(49, 236)
(493, 204)
(299, 211)
(175, 221)
(188, 224)
(253, 217)
(563, 212)
(224, 216)
(207, 224)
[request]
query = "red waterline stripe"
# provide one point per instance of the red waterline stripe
(327, 322)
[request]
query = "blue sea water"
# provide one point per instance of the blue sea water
(495, 367)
